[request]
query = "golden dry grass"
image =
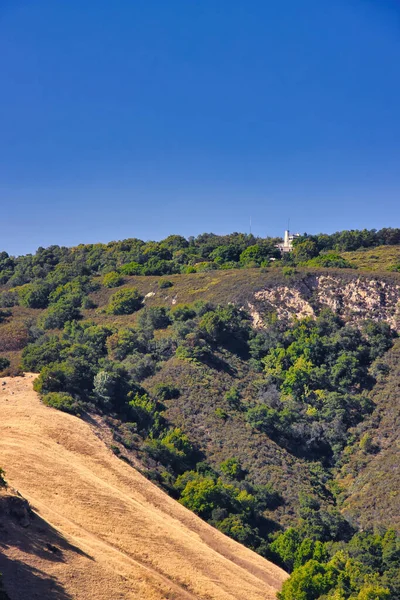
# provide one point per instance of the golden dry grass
(118, 535)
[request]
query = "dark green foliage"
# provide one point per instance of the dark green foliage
(166, 392)
(164, 284)
(4, 363)
(59, 313)
(125, 302)
(44, 351)
(182, 312)
(155, 317)
(34, 295)
(143, 410)
(9, 299)
(62, 401)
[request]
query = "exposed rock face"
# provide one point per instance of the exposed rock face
(354, 300)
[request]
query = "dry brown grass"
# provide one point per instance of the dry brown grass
(118, 536)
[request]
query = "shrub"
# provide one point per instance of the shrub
(112, 280)
(8, 299)
(154, 317)
(4, 363)
(164, 284)
(331, 260)
(62, 401)
(232, 468)
(182, 312)
(125, 302)
(88, 303)
(289, 271)
(166, 392)
(221, 413)
(235, 527)
(4, 314)
(2, 478)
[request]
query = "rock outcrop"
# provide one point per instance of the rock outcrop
(354, 299)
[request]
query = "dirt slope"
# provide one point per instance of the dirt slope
(103, 531)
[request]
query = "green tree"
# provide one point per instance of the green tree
(309, 582)
(59, 313)
(34, 295)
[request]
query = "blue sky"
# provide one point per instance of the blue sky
(150, 117)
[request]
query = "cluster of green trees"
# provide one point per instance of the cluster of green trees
(365, 567)
(316, 375)
(347, 241)
(59, 265)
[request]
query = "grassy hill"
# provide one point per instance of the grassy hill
(381, 258)
(100, 529)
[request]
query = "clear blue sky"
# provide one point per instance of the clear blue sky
(142, 118)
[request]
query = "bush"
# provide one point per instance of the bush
(182, 312)
(112, 280)
(232, 468)
(125, 302)
(166, 392)
(4, 363)
(154, 317)
(334, 261)
(62, 401)
(164, 284)
(8, 299)
(289, 271)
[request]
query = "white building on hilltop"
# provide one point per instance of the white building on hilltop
(287, 245)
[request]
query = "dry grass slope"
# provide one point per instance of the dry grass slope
(103, 531)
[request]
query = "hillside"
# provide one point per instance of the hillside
(259, 393)
(100, 529)
(371, 477)
(381, 258)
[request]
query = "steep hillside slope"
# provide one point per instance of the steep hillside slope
(102, 530)
(371, 478)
